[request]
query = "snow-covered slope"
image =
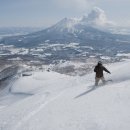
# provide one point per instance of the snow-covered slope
(52, 101)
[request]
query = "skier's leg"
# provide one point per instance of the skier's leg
(103, 80)
(96, 81)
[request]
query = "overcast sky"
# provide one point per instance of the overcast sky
(36, 13)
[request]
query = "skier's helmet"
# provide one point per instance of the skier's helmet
(99, 63)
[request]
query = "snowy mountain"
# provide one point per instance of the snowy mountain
(91, 30)
(67, 24)
(96, 18)
(53, 101)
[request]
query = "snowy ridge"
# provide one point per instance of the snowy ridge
(67, 23)
(62, 102)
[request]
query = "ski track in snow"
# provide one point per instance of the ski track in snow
(36, 110)
(33, 112)
(45, 99)
(43, 103)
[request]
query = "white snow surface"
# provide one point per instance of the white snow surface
(123, 54)
(53, 101)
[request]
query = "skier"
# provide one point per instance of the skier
(99, 68)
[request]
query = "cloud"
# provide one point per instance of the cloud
(99, 17)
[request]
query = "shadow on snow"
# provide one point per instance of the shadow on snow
(93, 87)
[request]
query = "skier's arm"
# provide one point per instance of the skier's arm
(106, 70)
(95, 69)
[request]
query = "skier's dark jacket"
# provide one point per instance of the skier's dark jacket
(99, 70)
